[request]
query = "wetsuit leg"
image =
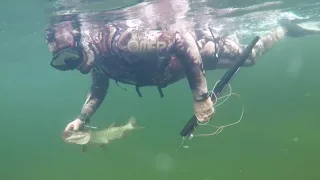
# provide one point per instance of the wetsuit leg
(229, 49)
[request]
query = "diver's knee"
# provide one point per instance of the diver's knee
(207, 49)
(253, 54)
(249, 62)
(252, 59)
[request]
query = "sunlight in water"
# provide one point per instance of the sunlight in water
(182, 14)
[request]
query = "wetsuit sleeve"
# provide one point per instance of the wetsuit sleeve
(192, 62)
(191, 59)
(96, 95)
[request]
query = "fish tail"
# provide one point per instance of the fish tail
(132, 123)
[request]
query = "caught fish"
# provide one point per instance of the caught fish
(100, 137)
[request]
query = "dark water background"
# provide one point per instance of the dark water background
(277, 139)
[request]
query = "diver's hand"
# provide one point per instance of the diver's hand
(203, 110)
(75, 125)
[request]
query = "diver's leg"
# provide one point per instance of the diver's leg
(221, 53)
(268, 41)
(294, 30)
(228, 49)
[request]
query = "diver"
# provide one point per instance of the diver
(143, 57)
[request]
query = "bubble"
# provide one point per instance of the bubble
(296, 139)
(164, 162)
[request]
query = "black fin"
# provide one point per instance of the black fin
(138, 91)
(84, 149)
(295, 30)
(160, 92)
(120, 86)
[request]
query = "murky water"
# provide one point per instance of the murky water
(276, 139)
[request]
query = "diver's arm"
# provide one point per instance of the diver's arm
(96, 95)
(192, 62)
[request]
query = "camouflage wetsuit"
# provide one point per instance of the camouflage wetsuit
(143, 57)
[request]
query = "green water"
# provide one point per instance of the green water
(277, 139)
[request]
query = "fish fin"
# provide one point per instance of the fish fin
(133, 122)
(103, 146)
(105, 141)
(84, 148)
(111, 125)
(139, 127)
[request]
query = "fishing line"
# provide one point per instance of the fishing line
(220, 128)
(227, 96)
(215, 97)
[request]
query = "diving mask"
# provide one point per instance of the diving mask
(67, 59)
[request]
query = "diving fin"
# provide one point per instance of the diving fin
(295, 30)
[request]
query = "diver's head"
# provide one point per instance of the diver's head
(64, 44)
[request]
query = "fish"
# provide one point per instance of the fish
(100, 137)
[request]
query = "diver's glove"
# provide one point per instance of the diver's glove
(203, 109)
